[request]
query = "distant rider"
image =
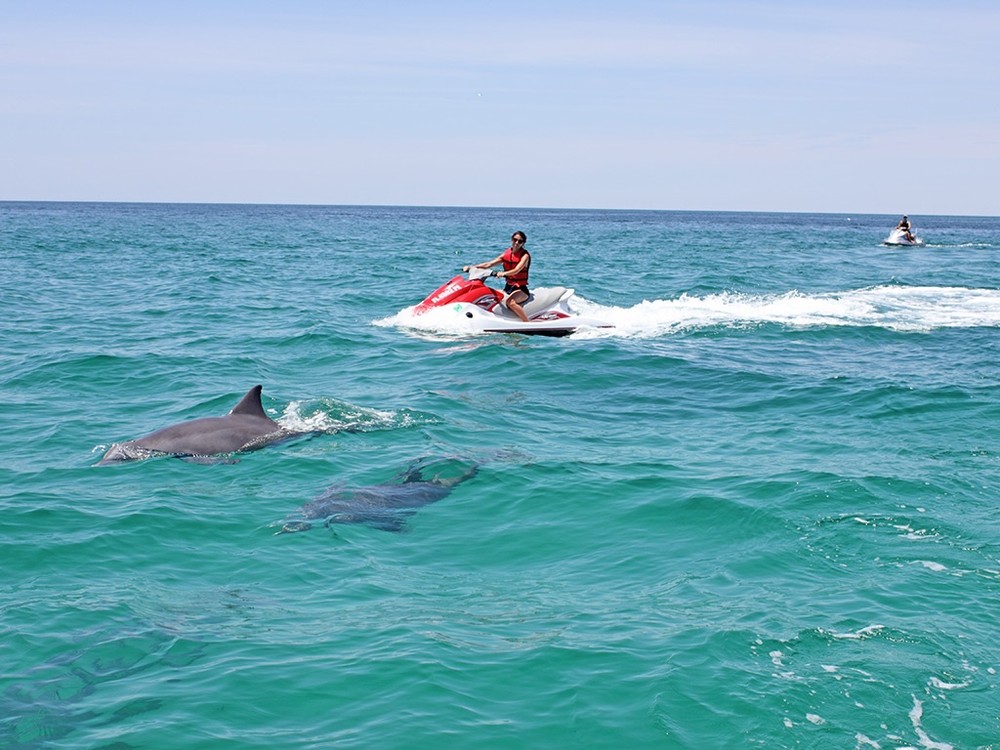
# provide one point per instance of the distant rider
(516, 261)
(904, 224)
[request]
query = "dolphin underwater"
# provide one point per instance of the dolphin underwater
(383, 506)
(245, 428)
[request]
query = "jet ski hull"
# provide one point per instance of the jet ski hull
(480, 310)
(898, 237)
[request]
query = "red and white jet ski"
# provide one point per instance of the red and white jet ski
(547, 308)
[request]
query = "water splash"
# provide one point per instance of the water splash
(332, 416)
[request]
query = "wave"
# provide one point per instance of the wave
(891, 307)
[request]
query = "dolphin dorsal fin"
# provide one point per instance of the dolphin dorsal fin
(250, 404)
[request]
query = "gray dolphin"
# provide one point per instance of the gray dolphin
(245, 428)
(383, 506)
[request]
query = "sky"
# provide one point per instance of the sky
(845, 107)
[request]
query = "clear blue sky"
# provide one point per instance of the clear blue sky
(864, 107)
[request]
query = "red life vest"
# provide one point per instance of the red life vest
(510, 261)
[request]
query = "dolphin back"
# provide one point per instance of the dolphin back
(246, 427)
(442, 472)
(384, 506)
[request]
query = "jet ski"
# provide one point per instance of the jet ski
(480, 309)
(898, 237)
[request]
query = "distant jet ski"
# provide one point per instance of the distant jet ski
(547, 308)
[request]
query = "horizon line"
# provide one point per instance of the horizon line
(419, 206)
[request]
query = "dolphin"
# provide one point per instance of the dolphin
(245, 428)
(382, 506)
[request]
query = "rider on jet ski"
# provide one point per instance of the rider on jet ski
(516, 260)
(904, 224)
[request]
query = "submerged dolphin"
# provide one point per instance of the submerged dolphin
(383, 506)
(245, 428)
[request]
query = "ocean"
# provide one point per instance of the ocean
(760, 511)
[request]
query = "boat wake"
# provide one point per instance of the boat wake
(899, 308)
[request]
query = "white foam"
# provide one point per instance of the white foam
(863, 633)
(436, 320)
(916, 716)
(330, 416)
(942, 685)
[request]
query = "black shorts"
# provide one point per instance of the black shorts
(520, 288)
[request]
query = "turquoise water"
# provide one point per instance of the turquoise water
(760, 512)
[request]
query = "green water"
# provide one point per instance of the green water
(760, 512)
